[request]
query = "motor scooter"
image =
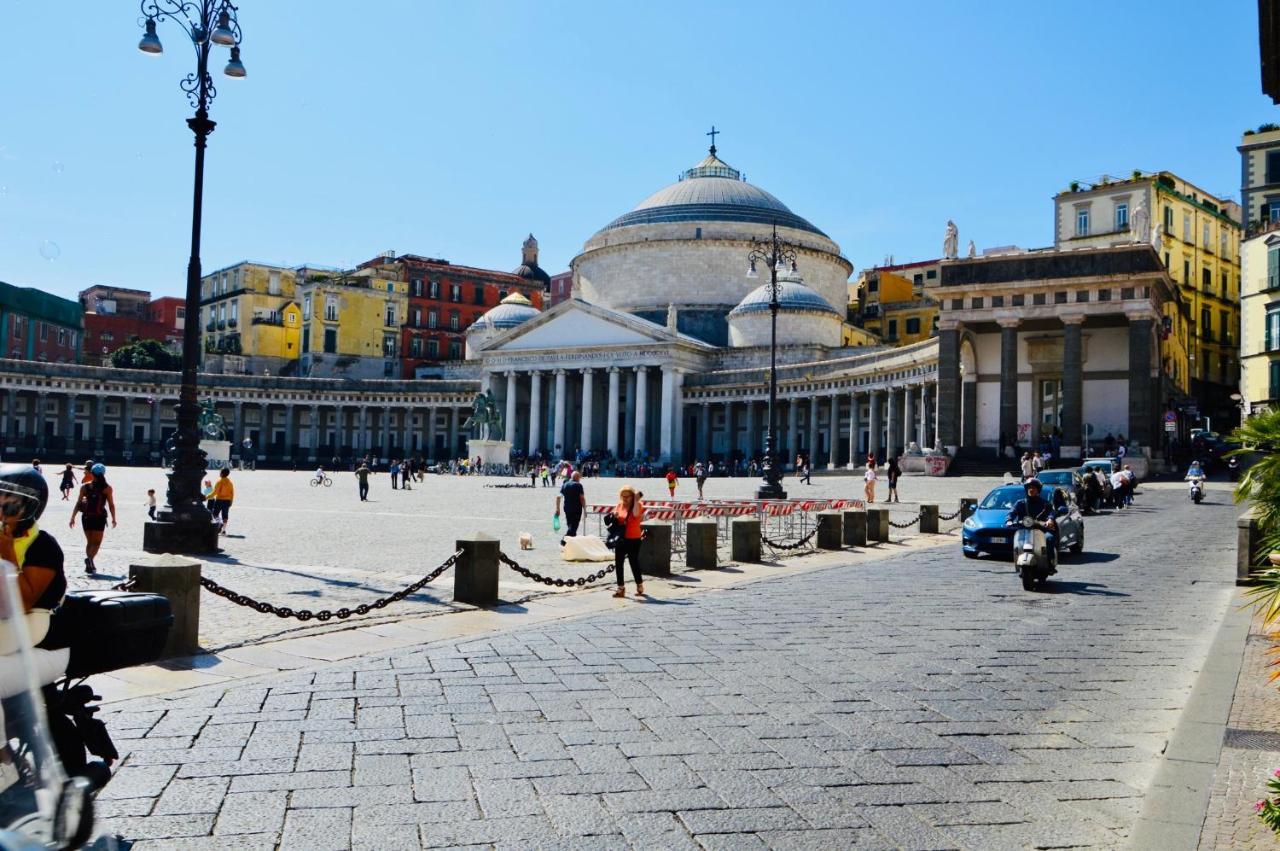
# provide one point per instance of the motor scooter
(1196, 489)
(1031, 553)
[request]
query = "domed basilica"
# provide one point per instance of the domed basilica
(663, 351)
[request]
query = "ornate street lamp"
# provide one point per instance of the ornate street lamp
(777, 255)
(185, 524)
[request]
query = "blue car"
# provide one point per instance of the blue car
(985, 531)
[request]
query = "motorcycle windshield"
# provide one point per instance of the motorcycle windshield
(1021, 538)
(36, 799)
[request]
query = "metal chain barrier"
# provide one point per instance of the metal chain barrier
(324, 615)
(795, 545)
(909, 523)
(511, 485)
(952, 516)
(547, 580)
(126, 585)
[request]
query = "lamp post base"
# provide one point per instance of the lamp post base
(771, 490)
(189, 537)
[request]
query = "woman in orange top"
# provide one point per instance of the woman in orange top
(628, 514)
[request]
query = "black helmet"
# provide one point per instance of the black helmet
(1033, 483)
(23, 493)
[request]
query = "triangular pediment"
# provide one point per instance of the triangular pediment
(576, 324)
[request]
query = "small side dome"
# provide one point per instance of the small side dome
(804, 316)
(513, 310)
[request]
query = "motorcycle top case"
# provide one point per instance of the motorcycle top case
(109, 630)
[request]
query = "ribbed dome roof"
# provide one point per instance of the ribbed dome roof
(792, 295)
(510, 312)
(712, 191)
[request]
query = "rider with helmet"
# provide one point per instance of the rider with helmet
(1040, 509)
(37, 556)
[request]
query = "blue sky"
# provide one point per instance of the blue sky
(454, 129)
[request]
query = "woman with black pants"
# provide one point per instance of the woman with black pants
(627, 516)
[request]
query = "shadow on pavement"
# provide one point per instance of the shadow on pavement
(1088, 589)
(1089, 558)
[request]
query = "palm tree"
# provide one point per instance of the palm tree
(1260, 436)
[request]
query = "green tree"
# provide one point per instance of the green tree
(146, 354)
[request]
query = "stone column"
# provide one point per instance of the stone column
(41, 402)
(535, 412)
(431, 434)
(314, 426)
(611, 413)
(813, 432)
(237, 424)
(361, 443)
(1072, 387)
(704, 432)
(629, 434)
(793, 434)
(588, 409)
(730, 432)
(854, 427)
(264, 424)
(1141, 387)
(677, 416)
(908, 415)
(68, 427)
(922, 426)
(877, 413)
(407, 423)
(99, 424)
(513, 391)
(833, 434)
(1008, 380)
(557, 422)
(289, 440)
(753, 429)
(126, 424)
(453, 431)
(642, 411)
(949, 385)
(666, 424)
(156, 444)
(892, 431)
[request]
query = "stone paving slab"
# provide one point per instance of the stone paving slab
(779, 713)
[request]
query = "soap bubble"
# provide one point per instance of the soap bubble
(58, 167)
(49, 250)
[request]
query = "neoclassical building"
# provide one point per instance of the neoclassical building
(663, 349)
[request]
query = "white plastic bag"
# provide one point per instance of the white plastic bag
(585, 548)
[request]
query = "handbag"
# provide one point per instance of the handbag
(614, 529)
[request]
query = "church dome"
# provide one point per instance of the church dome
(712, 191)
(793, 295)
(508, 313)
(529, 269)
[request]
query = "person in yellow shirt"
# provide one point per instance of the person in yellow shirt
(223, 494)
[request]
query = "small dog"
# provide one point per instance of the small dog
(526, 541)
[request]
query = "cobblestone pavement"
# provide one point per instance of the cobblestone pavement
(314, 548)
(1250, 754)
(919, 701)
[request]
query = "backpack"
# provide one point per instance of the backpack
(94, 502)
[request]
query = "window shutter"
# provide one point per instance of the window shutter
(1267, 342)
(1273, 266)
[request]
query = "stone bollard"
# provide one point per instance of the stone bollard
(745, 535)
(878, 525)
(1248, 539)
(655, 552)
(830, 530)
(967, 506)
(855, 527)
(177, 579)
(475, 575)
(928, 519)
(700, 543)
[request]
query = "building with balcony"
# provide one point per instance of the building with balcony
(114, 316)
(35, 325)
(894, 302)
(250, 320)
(1196, 235)
(444, 300)
(351, 324)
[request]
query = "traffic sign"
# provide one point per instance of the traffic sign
(1170, 417)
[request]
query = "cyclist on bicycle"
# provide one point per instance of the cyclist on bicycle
(318, 479)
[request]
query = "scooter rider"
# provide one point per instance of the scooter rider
(1037, 508)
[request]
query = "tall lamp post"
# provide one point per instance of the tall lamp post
(776, 254)
(185, 524)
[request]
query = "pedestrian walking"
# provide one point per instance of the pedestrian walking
(574, 498)
(150, 503)
(805, 472)
(1027, 470)
(545, 472)
(224, 492)
(626, 531)
(68, 482)
(1037, 464)
(893, 472)
(869, 483)
(395, 475)
(95, 502)
(533, 476)
(672, 481)
(406, 475)
(699, 476)
(362, 481)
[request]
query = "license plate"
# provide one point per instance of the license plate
(999, 539)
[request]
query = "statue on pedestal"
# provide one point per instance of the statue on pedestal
(951, 241)
(1140, 221)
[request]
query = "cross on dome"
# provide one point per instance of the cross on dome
(714, 132)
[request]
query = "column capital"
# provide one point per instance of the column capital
(1008, 321)
(560, 371)
(613, 370)
(1137, 314)
(510, 373)
(587, 370)
(1072, 318)
(945, 324)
